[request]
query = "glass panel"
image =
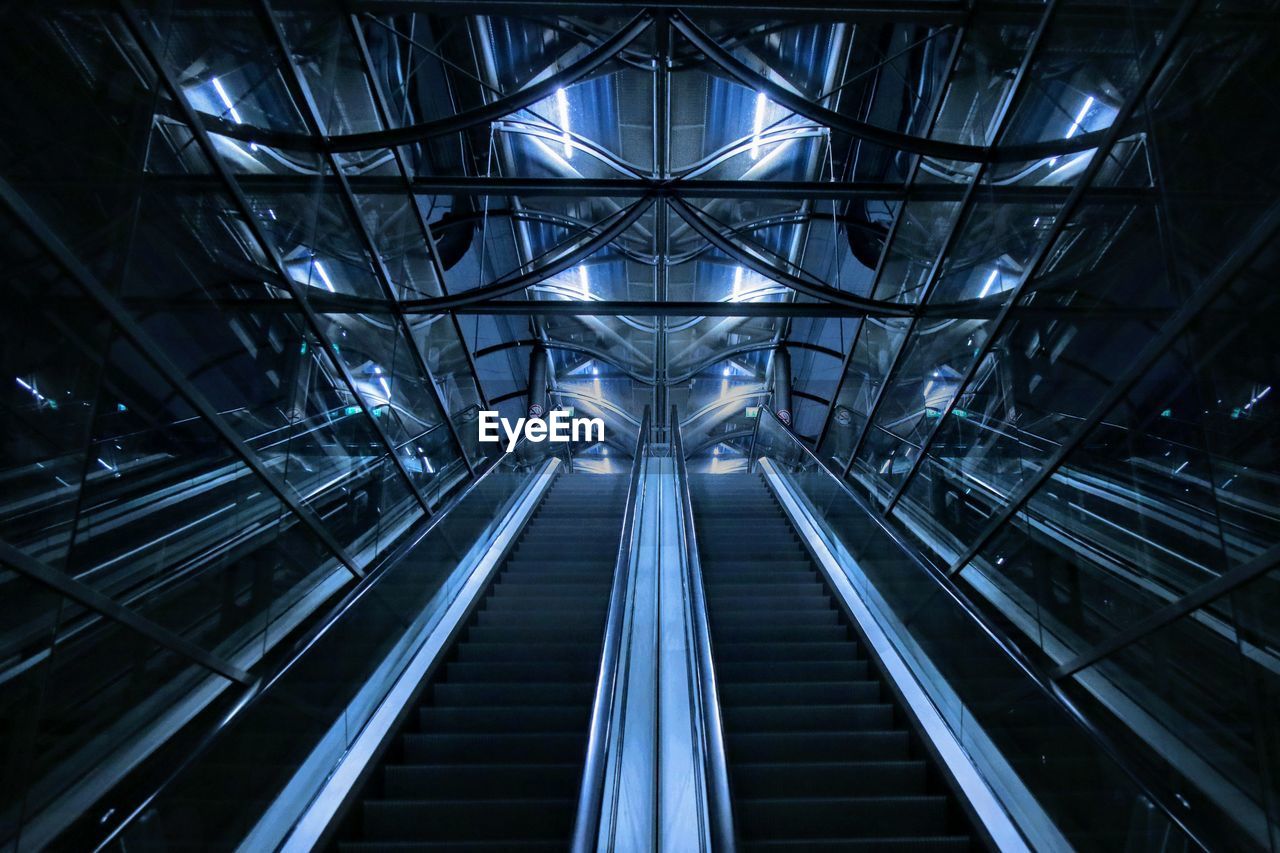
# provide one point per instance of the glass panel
(275, 756)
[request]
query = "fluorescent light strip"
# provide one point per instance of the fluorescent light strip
(986, 288)
(758, 125)
(1084, 111)
(562, 108)
(583, 282)
(324, 276)
(226, 101)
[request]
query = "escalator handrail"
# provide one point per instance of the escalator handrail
(1043, 684)
(254, 692)
(586, 826)
(719, 800)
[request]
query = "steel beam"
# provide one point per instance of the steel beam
(618, 188)
(1171, 38)
(151, 351)
(229, 185)
(301, 93)
(86, 596)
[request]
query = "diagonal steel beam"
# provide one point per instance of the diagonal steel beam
(154, 59)
(545, 86)
(86, 596)
(302, 95)
(1155, 69)
(890, 239)
(152, 352)
(956, 230)
(383, 110)
(1201, 597)
(1260, 238)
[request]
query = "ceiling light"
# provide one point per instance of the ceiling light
(584, 282)
(737, 284)
(1084, 111)
(986, 288)
(562, 108)
(226, 101)
(757, 125)
(324, 276)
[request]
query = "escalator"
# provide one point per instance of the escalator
(820, 756)
(492, 756)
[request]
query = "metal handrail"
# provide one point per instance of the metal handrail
(1043, 683)
(719, 800)
(255, 691)
(586, 826)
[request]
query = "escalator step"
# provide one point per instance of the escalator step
(829, 779)
(794, 671)
(819, 758)
(774, 718)
(818, 746)
(479, 820)
(404, 781)
(495, 747)
(492, 758)
(828, 817)
(494, 718)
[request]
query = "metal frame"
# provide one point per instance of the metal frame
(719, 798)
(1044, 683)
(428, 238)
(957, 226)
(1113, 135)
(152, 352)
(586, 826)
(85, 595)
(298, 291)
(301, 94)
(1259, 239)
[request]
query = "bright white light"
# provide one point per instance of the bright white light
(30, 388)
(595, 371)
(427, 462)
(562, 107)
(226, 101)
(758, 124)
(382, 380)
(1084, 111)
(324, 276)
(726, 372)
(583, 282)
(928, 388)
(986, 288)
(737, 284)
(1256, 397)
(104, 464)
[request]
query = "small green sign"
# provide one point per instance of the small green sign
(753, 411)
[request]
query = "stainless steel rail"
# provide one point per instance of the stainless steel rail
(719, 800)
(1041, 682)
(256, 689)
(586, 826)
